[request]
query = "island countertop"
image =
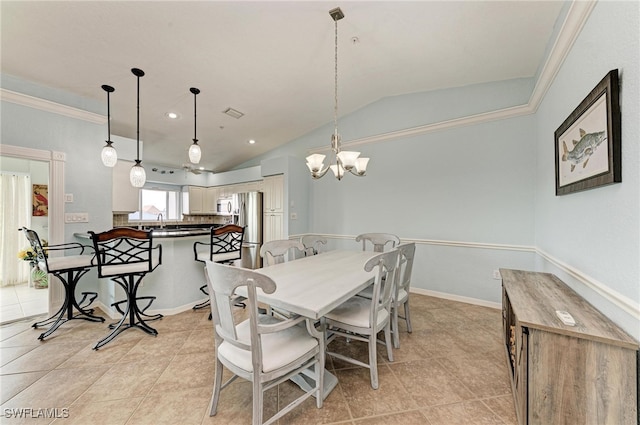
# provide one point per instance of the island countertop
(164, 233)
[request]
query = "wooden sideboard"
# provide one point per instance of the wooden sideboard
(560, 374)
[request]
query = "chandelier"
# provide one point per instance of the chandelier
(194, 150)
(345, 160)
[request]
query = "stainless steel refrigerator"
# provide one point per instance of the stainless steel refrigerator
(249, 206)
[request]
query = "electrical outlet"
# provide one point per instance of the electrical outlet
(294, 216)
(76, 217)
(68, 197)
(496, 274)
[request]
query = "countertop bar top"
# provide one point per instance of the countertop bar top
(169, 232)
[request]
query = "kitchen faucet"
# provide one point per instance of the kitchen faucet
(161, 220)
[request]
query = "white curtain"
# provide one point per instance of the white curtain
(15, 212)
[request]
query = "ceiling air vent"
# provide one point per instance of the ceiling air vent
(233, 113)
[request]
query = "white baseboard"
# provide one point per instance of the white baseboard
(459, 298)
(113, 313)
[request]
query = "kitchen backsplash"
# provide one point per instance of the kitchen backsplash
(122, 220)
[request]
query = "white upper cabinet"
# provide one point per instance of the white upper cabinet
(196, 199)
(274, 193)
(125, 198)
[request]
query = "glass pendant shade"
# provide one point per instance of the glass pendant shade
(137, 175)
(348, 159)
(361, 166)
(338, 171)
(195, 153)
(109, 155)
(315, 162)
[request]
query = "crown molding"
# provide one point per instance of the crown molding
(575, 20)
(49, 106)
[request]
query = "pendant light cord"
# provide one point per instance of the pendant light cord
(138, 123)
(108, 118)
(335, 108)
(195, 127)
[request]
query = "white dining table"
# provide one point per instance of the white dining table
(313, 286)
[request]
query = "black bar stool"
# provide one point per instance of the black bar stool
(125, 256)
(69, 269)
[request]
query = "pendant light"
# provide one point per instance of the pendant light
(194, 150)
(109, 155)
(345, 160)
(137, 175)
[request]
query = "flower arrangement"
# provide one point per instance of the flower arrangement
(38, 276)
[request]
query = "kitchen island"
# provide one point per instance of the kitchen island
(175, 283)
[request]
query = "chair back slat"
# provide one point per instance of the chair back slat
(407, 253)
(386, 263)
(36, 246)
(313, 244)
(378, 240)
(279, 251)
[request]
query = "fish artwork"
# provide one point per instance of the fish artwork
(583, 148)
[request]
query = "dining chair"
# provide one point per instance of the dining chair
(261, 349)
(68, 269)
(362, 319)
(378, 240)
(224, 246)
(401, 293)
(281, 250)
(125, 256)
(313, 244)
(276, 252)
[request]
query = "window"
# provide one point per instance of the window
(154, 202)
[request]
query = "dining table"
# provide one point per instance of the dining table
(315, 285)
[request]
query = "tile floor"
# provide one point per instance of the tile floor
(20, 301)
(450, 370)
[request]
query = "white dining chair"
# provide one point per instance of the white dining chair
(400, 297)
(378, 241)
(261, 349)
(281, 250)
(313, 244)
(361, 319)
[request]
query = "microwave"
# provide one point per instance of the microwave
(224, 206)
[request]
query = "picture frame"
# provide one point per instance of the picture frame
(587, 144)
(40, 200)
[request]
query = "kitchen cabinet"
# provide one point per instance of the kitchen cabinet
(272, 226)
(274, 194)
(196, 199)
(125, 198)
(562, 374)
(210, 200)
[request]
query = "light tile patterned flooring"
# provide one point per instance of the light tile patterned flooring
(20, 301)
(450, 370)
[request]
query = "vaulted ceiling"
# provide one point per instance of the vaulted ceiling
(272, 61)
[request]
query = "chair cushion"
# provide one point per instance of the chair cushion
(131, 268)
(355, 312)
(402, 296)
(218, 258)
(70, 262)
(278, 349)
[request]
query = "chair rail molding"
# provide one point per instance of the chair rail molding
(623, 302)
(575, 20)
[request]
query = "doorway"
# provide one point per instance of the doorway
(23, 181)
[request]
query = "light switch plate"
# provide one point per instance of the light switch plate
(76, 217)
(68, 197)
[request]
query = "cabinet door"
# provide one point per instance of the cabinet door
(273, 226)
(210, 200)
(125, 198)
(274, 193)
(196, 200)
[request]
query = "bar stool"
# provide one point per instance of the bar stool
(69, 269)
(125, 256)
(224, 247)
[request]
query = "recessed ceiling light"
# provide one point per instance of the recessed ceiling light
(172, 115)
(252, 142)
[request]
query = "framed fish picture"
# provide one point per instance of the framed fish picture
(587, 144)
